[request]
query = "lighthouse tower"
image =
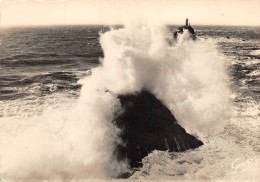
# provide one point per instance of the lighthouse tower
(187, 22)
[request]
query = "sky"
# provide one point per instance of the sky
(76, 12)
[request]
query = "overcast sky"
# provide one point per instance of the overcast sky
(200, 12)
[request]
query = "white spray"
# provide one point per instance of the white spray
(188, 77)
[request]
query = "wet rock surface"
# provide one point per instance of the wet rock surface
(147, 124)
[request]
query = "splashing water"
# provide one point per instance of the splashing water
(76, 143)
(189, 77)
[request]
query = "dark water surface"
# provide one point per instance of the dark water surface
(40, 72)
(52, 59)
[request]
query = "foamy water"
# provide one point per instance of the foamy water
(63, 137)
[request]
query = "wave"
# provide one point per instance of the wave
(14, 87)
(189, 77)
(35, 59)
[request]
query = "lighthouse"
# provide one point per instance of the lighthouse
(186, 27)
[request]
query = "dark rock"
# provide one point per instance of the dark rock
(181, 29)
(147, 124)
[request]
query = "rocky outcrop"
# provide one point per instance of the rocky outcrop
(147, 124)
(181, 29)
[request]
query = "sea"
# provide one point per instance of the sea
(54, 120)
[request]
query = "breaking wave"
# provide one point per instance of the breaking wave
(77, 142)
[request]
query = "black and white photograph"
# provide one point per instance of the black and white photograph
(129, 90)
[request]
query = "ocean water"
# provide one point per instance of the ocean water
(55, 114)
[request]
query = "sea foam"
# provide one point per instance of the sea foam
(77, 143)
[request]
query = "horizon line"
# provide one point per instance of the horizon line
(115, 24)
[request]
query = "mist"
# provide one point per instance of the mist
(78, 143)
